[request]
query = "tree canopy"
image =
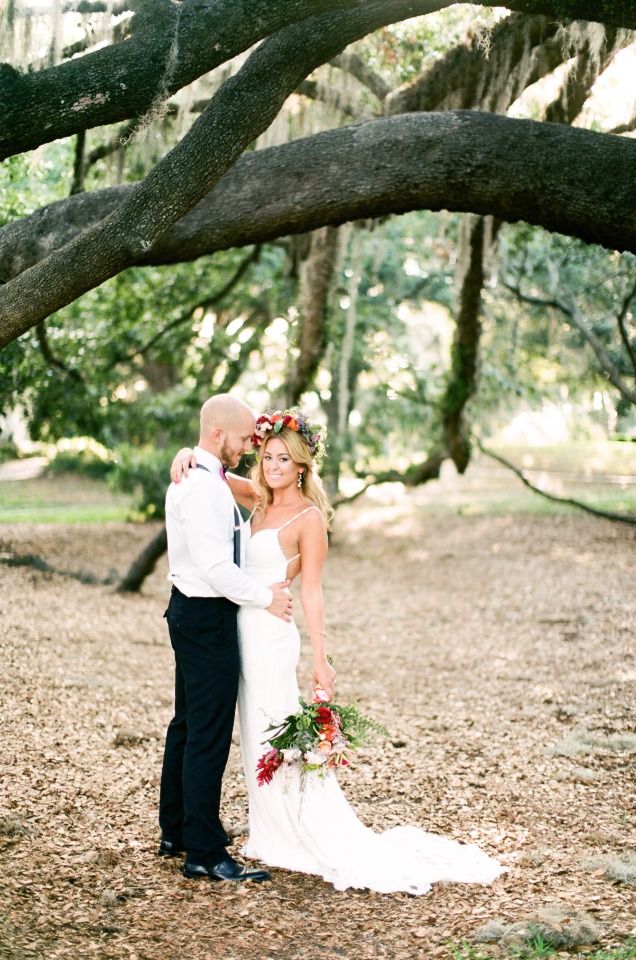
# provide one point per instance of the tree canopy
(336, 202)
(512, 169)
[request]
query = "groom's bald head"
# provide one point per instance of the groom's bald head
(224, 412)
(227, 425)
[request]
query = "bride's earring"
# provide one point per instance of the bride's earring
(300, 480)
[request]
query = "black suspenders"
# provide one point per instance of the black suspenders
(237, 525)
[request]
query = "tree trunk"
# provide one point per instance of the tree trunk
(144, 563)
(242, 108)
(462, 377)
(316, 275)
(167, 51)
(550, 175)
(343, 371)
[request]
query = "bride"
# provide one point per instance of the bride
(309, 827)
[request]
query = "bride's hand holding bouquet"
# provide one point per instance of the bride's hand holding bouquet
(320, 736)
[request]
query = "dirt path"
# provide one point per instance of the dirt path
(22, 469)
(498, 651)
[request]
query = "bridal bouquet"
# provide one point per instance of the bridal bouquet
(321, 735)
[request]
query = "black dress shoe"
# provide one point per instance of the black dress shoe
(226, 870)
(168, 848)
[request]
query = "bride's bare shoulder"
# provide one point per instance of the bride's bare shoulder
(313, 520)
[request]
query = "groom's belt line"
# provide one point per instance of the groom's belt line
(175, 591)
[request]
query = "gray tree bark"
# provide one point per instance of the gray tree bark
(462, 376)
(144, 563)
(243, 107)
(316, 275)
(165, 53)
(546, 174)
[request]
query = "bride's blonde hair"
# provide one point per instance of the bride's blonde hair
(312, 488)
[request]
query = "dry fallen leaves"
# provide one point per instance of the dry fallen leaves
(485, 647)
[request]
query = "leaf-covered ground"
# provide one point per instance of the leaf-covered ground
(499, 651)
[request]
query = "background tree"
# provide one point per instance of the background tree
(126, 299)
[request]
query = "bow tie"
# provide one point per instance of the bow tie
(224, 472)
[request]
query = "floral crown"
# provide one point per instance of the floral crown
(293, 419)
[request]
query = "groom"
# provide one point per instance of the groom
(204, 553)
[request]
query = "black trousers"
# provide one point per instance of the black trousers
(203, 633)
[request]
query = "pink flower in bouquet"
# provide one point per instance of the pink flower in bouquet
(320, 696)
(267, 766)
(339, 761)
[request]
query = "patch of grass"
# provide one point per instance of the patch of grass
(598, 473)
(538, 948)
(61, 499)
(535, 950)
(581, 741)
(621, 869)
(588, 458)
(475, 495)
(625, 952)
(485, 490)
(65, 514)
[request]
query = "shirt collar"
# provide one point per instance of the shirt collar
(208, 460)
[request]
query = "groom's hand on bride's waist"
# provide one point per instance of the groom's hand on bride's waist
(281, 605)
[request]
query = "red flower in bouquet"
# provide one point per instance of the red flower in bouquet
(324, 714)
(267, 766)
(320, 736)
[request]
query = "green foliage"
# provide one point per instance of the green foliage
(553, 267)
(536, 947)
(403, 51)
(83, 457)
(26, 185)
(136, 358)
(130, 363)
(532, 353)
(300, 730)
(402, 339)
(318, 736)
(8, 451)
(14, 186)
(145, 473)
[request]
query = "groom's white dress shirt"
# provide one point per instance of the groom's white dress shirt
(200, 526)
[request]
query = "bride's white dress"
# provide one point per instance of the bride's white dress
(316, 831)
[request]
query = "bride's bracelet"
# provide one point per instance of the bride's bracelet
(321, 633)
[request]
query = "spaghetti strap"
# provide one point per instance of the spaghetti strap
(306, 510)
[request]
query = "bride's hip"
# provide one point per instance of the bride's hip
(266, 641)
(255, 622)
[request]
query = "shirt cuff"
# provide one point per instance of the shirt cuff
(270, 597)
